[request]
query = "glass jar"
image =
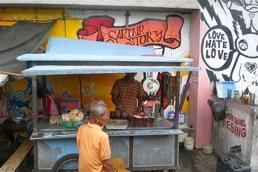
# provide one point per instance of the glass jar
(246, 99)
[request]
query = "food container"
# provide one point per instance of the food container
(226, 89)
(150, 122)
(71, 124)
(125, 115)
(116, 124)
(112, 115)
(66, 104)
(117, 113)
(246, 99)
(182, 137)
(189, 143)
(181, 118)
(136, 122)
(142, 122)
(207, 149)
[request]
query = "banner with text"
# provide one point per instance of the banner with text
(146, 32)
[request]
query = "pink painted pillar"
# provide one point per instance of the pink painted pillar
(200, 88)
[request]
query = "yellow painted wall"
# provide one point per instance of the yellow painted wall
(65, 26)
(97, 85)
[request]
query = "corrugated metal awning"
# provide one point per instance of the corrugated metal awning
(69, 70)
(100, 58)
(73, 56)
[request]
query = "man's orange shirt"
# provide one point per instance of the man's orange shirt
(93, 145)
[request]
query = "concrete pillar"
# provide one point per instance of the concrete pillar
(200, 89)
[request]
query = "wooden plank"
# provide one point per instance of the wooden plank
(16, 159)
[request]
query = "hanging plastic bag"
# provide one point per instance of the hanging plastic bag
(218, 108)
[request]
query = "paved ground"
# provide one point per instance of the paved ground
(190, 161)
(196, 161)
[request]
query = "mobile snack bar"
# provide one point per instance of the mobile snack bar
(151, 147)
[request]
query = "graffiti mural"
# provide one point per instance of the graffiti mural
(165, 33)
(230, 45)
(20, 100)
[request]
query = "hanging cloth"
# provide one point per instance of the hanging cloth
(169, 89)
(23, 37)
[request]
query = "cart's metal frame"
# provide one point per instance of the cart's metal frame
(48, 64)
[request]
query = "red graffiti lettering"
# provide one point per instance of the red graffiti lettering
(146, 32)
(235, 125)
(236, 120)
(236, 130)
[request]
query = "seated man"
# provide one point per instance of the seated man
(93, 143)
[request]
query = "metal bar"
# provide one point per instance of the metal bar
(99, 58)
(80, 87)
(44, 135)
(184, 91)
(44, 94)
(106, 63)
(176, 118)
(42, 170)
(34, 118)
(155, 168)
(176, 157)
(253, 132)
(34, 104)
(131, 152)
(35, 155)
(71, 70)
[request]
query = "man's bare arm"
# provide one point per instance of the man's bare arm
(108, 166)
(115, 99)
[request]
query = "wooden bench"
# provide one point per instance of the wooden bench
(14, 162)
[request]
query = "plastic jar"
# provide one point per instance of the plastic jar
(189, 143)
(207, 149)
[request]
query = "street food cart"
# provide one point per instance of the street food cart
(141, 148)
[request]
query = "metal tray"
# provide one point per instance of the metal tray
(116, 124)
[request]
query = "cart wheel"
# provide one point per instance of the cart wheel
(68, 163)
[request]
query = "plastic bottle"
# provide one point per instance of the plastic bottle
(237, 96)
